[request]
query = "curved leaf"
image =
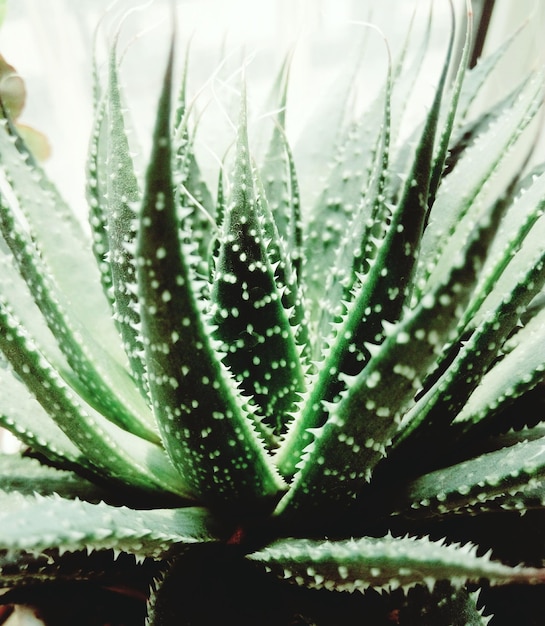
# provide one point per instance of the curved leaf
(119, 455)
(202, 416)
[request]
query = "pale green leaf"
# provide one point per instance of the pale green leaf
(112, 452)
(454, 214)
(26, 476)
(121, 198)
(32, 524)
(103, 381)
(56, 228)
(22, 415)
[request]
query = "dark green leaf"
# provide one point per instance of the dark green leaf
(203, 419)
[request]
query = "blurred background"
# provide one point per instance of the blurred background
(51, 45)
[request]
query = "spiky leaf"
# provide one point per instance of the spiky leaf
(261, 353)
(384, 563)
(98, 526)
(203, 419)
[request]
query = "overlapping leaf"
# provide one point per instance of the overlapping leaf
(111, 451)
(248, 308)
(203, 418)
(377, 298)
(416, 333)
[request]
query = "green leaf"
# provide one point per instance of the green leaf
(26, 476)
(247, 299)
(203, 419)
(25, 573)
(340, 198)
(406, 72)
(121, 198)
(52, 223)
(475, 78)
(193, 195)
(517, 223)
(312, 151)
(102, 380)
(211, 578)
(407, 65)
(366, 228)
(221, 207)
(446, 605)
(24, 308)
(24, 417)
(458, 487)
(384, 563)
(279, 177)
(462, 138)
(112, 452)
(454, 215)
(516, 373)
(278, 203)
(283, 263)
(196, 205)
(362, 423)
(442, 147)
(95, 189)
(520, 282)
(378, 299)
(32, 524)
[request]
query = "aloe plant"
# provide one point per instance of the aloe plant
(251, 407)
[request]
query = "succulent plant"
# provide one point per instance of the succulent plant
(252, 407)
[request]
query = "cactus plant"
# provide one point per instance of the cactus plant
(252, 407)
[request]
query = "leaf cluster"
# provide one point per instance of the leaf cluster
(221, 382)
